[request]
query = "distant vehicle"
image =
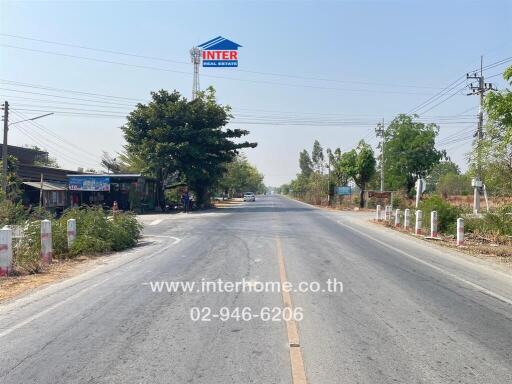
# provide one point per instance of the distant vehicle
(249, 196)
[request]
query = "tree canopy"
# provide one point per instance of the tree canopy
(305, 163)
(359, 165)
(241, 176)
(496, 147)
(182, 139)
(409, 152)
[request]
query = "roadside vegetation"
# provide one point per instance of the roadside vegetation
(181, 141)
(410, 153)
(98, 232)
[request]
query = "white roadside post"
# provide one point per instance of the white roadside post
(46, 241)
(407, 219)
(378, 213)
(419, 221)
(397, 218)
(433, 224)
(71, 230)
(460, 231)
(5, 251)
(388, 213)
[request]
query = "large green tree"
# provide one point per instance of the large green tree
(305, 163)
(438, 171)
(360, 165)
(241, 176)
(409, 152)
(338, 172)
(496, 147)
(317, 157)
(185, 139)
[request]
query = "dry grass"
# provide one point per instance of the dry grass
(227, 203)
(474, 245)
(13, 286)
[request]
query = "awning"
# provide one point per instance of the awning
(47, 186)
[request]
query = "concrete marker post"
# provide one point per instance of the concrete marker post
(71, 231)
(388, 213)
(460, 231)
(5, 251)
(407, 219)
(46, 242)
(433, 224)
(378, 213)
(419, 221)
(397, 218)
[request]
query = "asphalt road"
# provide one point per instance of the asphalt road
(408, 313)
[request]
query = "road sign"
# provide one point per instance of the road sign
(343, 191)
(379, 195)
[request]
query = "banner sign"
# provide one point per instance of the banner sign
(343, 191)
(220, 52)
(80, 183)
(379, 195)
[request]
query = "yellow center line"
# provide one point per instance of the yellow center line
(296, 359)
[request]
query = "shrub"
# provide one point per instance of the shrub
(447, 214)
(494, 224)
(96, 233)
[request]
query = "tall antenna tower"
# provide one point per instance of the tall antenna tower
(195, 57)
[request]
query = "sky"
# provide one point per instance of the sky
(326, 70)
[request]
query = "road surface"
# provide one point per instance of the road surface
(408, 312)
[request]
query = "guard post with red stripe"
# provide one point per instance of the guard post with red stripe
(419, 222)
(5, 251)
(460, 231)
(407, 219)
(397, 218)
(46, 242)
(433, 224)
(71, 230)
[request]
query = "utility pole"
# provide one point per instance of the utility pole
(379, 132)
(4, 147)
(329, 178)
(478, 89)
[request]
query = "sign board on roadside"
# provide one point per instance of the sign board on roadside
(379, 195)
(88, 183)
(343, 190)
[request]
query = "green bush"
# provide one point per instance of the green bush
(495, 224)
(97, 232)
(447, 214)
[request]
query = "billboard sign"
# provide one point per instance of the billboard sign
(89, 183)
(219, 52)
(343, 191)
(379, 195)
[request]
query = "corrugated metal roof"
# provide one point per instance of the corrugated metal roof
(46, 185)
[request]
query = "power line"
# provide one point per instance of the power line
(50, 95)
(187, 63)
(61, 140)
(17, 83)
(456, 83)
(212, 76)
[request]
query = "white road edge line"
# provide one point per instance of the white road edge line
(435, 267)
(78, 294)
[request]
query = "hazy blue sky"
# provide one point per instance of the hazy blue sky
(372, 61)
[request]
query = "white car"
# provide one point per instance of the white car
(249, 196)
